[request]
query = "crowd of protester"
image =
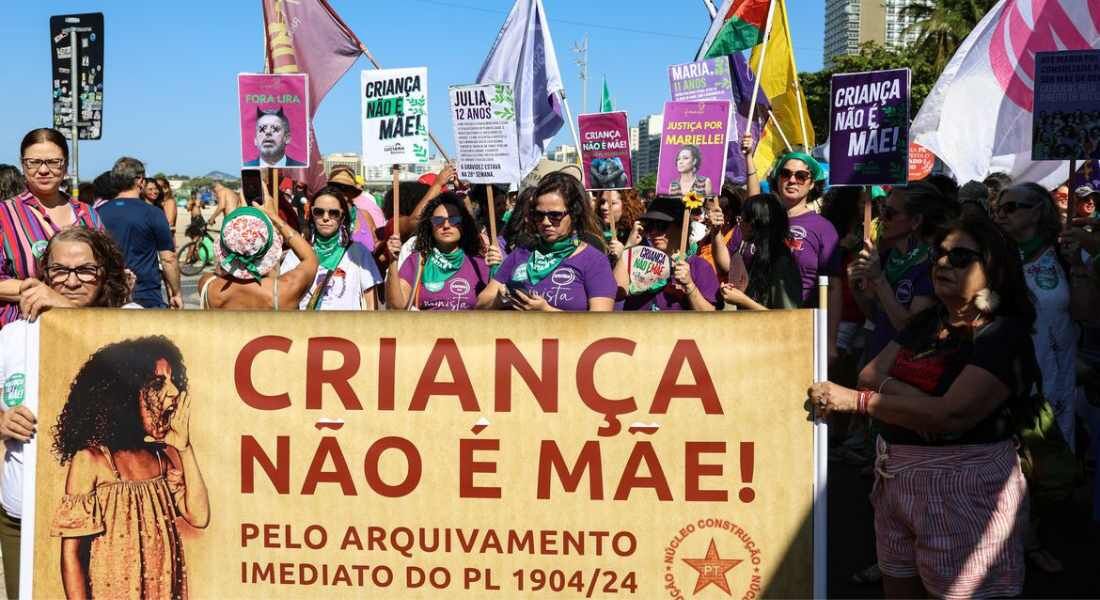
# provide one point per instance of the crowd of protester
(962, 322)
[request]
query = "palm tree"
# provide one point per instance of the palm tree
(942, 25)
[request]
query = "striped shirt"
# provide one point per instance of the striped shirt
(24, 227)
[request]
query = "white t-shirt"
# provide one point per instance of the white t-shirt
(356, 273)
(13, 376)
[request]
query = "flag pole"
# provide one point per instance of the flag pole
(773, 121)
(760, 65)
(710, 8)
(572, 125)
(431, 135)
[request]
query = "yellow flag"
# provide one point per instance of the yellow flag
(779, 81)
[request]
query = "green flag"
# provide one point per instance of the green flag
(605, 102)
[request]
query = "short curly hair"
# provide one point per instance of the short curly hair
(103, 404)
(114, 287)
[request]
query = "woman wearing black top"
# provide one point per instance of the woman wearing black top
(951, 391)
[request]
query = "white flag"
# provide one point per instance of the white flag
(978, 117)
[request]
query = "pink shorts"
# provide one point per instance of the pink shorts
(953, 515)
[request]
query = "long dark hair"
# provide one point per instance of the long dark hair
(767, 217)
(345, 222)
(924, 200)
(515, 230)
(103, 404)
(580, 212)
(1049, 225)
(841, 208)
(114, 288)
(470, 242)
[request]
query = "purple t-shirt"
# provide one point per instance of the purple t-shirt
(813, 242)
(917, 281)
(670, 299)
(458, 293)
(586, 274)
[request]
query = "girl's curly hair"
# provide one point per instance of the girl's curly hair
(114, 289)
(102, 407)
(470, 240)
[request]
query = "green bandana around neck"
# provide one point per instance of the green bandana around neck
(440, 266)
(898, 264)
(1028, 247)
(329, 250)
(546, 257)
(249, 262)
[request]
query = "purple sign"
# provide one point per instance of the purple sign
(869, 128)
(704, 80)
(1066, 124)
(693, 148)
(605, 151)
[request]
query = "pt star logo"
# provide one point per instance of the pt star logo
(712, 569)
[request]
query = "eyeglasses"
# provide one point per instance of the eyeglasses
(654, 225)
(333, 213)
(1007, 208)
(957, 257)
(555, 216)
(34, 164)
(86, 273)
(799, 176)
(453, 220)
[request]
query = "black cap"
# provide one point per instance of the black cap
(664, 208)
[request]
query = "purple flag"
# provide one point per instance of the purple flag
(743, 81)
(523, 55)
(319, 44)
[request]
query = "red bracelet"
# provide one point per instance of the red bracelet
(862, 401)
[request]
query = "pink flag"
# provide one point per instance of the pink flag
(978, 117)
(307, 36)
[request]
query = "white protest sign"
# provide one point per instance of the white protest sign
(395, 116)
(484, 117)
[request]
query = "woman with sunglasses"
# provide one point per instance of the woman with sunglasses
(690, 283)
(560, 264)
(893, 282)
(80, 267)
(951, 393)
(29, 220)
(447, 271)
(773, 278)
(346, 273)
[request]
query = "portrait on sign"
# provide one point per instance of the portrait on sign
(274, 121)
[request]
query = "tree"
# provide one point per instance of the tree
(647, 182)
(871, 57)
(942, 25)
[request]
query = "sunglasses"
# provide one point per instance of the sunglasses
(555, 216)
(333, 213)
(654, 225)
(452, 220)
(798, 176)
(1007, 208)
(958, 257)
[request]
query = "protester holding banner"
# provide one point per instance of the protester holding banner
(561, 265)
(951, 392)
(81, 267)
(1027, 215)
(893, 281)
(30, 219)
(346, 274)
(773, 278)
(247, 255)
(691, 283)
(447, 271)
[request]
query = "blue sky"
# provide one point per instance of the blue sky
(170, 67)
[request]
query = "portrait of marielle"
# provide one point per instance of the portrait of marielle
(132, 472)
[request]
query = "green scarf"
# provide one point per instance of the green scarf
(440, 266)
(249, 262)
(546, 257)
(329, 250)
(607, 235)
(898, 264)
(1028, 247)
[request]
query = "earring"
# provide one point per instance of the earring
(987, 301)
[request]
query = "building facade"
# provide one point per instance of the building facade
(850, 23)
(645, 158)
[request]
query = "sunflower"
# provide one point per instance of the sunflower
(692, 201)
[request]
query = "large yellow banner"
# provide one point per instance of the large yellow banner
(418, 455)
